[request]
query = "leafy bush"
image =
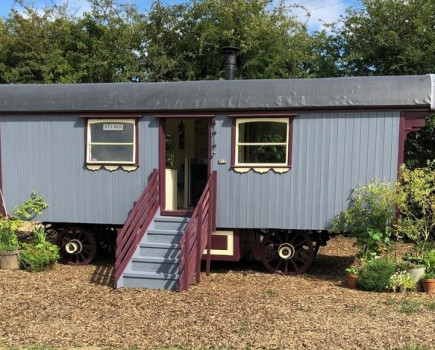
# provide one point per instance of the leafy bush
(429, 261)
(40, 254)
(30, 208)
(417, 205)
(8, 234)
(370, 211)
(375, 274)
(9, 225)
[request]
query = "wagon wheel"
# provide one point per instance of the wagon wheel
(106, 241)
(51, 235)
(287, 253)
(77, 246)
(316, 247)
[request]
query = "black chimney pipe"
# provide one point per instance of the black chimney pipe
(230, 61)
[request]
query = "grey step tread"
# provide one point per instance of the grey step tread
(159, 245)
(151, 275)
(180, 219)
(164, 232)
(152, 259)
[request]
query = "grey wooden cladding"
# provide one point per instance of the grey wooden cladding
(332, 153)
(47, 154)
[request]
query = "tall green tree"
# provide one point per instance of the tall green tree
(184, 41)
(388, 37)
(53, 46)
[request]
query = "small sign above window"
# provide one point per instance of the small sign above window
(113, 127)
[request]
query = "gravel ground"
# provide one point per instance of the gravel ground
(240, 306)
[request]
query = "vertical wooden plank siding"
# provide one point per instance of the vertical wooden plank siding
(49, 158)
(332, 153)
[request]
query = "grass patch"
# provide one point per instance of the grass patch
(270, 292)
(26, 347)
(414, 347)
(176, 347)
(411, 306)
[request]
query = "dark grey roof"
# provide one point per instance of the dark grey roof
(356, 92)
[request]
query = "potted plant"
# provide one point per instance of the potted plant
(401, 280)
(428, 280)
(9, 245)
(352, 276)
(416, 267)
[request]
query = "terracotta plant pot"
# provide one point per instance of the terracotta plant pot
(10, 260)
(428, 285)
(351, 281)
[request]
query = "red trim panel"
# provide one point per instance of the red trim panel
(409, 122)
(221, 243)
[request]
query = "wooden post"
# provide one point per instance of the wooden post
(198, 243)
(211, 211)
(186, 261)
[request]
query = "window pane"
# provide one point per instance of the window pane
(109, 153)
(262, 154)
(263, 132)
(112, 132)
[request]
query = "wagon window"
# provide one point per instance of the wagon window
(262, 142)
(111, 141)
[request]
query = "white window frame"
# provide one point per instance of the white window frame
(237, 144)
(89, 142)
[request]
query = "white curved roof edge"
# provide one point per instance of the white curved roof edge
(432, 79)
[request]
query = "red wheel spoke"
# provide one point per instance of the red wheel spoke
(286, 267)
(299, 244)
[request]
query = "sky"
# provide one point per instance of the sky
(321, 10)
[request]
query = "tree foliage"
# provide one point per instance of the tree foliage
(53, 46)
(113, 42)
(184, 41)
(388, 37)
(416, 204)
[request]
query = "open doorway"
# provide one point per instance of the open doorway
(186, 161)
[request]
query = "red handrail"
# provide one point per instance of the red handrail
(197, 236)
(136, 225)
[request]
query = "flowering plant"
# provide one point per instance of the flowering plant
(401, 280)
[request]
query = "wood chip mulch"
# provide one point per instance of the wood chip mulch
(240, 306)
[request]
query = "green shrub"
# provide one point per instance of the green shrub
(30, 208)
(375, 275)
(9, 225)
(417, 205)
(40, 254)
(8, 234)
(371, 209)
